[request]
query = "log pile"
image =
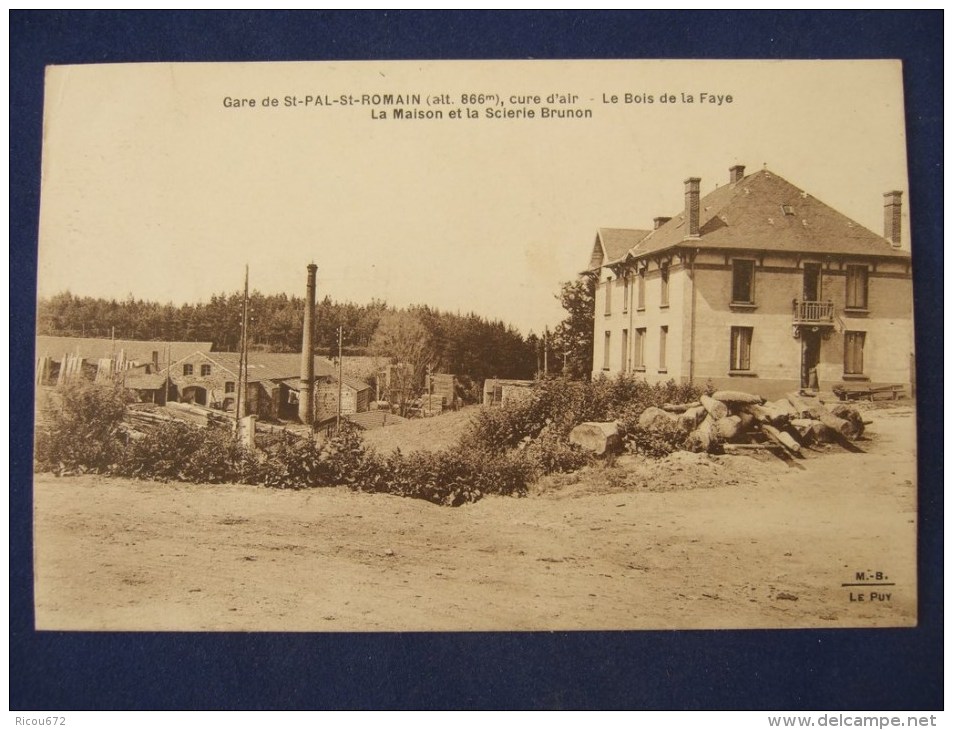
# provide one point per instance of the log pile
(735, 421)
(143, 418)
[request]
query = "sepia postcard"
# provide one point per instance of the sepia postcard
(475, 346)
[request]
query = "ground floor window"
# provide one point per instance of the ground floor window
(854, 353)
(607, 351)
(662, 346)
(741, 348)
(638, 352)
(625, 350)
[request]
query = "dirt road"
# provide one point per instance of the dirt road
(690, 542)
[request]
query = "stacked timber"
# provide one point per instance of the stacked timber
(735, 420)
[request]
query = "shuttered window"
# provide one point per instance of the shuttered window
(662, 347)
(741, 348)
(607, 353)
(638, 351)
(854, 353)
(625, 351)
(664, 298)
(641, 290)
(856, 286)
(742, 281)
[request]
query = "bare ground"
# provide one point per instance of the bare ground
(422, 434)
(688, 542)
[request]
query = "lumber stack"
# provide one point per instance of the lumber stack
(736, 421)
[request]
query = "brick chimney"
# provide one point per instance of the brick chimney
(737, 172)
(306, 395)
(892, 217)
(692, 185)
(661, 221)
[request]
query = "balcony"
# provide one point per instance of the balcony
(814, 313)
(817, 316)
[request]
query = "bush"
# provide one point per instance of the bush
(447, 477)
(657, 442)
(551, 454)
(294, 463)
(83, 433)
(541, 424)
(186, 452)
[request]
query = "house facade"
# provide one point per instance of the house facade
(756, 286)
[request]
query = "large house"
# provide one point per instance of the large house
(756, 286)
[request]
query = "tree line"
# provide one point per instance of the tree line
(465, 344)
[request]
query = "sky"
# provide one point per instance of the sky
(158, 182)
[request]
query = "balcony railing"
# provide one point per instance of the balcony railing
(815, 313)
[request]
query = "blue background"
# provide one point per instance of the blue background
(829, 669)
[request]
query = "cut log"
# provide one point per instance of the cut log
(747, 421)
(782, 405)
(802, 407)
(736, 396)
(853, 418)
(785, 439)
(812, 431)
(689, 420)
(715, 408)
(653, 417)
(679, 407)
(599, 438)
(742, 448)
(727, 428)
(766, 414)
(704, 438)
(817, 411)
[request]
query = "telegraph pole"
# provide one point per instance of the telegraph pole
(546, 352)
(340, 374)
(243, 359)
(168, 371)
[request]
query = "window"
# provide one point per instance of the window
(641, 290)
(662, 344)
(625, 293)
(856, 287)
(206, 369)
(606, 353)
(229, 386)
(664, 300)
(638, 352)
(608, 297)
(741, 348)
(625, 351)
(854, 353)
(186, 369)
(742, 281)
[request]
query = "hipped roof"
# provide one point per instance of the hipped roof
(751, 214)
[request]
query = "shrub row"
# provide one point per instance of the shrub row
(85, 435)
(553, 407)
(503, 452)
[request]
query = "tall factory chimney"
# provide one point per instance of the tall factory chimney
(306, 395)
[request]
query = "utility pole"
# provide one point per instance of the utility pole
(168, 370)
(340, 373)
(546, 352)
(243, 359)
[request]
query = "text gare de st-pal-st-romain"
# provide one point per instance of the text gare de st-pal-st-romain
(477, 105)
